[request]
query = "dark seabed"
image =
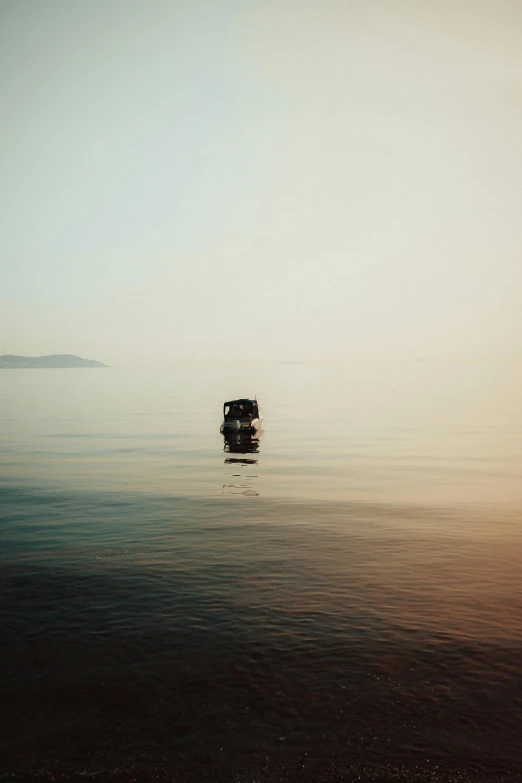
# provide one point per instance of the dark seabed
(340, 600)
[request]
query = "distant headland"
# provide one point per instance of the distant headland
(59, 360)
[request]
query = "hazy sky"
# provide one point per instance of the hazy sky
(291, 178)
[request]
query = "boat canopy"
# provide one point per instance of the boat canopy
(240, 409)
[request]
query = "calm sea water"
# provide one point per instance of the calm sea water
(343, 593)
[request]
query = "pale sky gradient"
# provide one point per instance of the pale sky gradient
(291, 178)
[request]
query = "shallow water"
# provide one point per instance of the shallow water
(346, 589)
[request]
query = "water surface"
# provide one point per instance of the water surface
(345, 590)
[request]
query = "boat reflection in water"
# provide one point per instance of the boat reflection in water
(241, 479)
(237, 442)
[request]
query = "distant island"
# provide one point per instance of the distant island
(59, 360)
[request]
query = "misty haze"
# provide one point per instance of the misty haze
(260, 320)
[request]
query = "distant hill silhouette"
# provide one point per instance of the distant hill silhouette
(59, 360)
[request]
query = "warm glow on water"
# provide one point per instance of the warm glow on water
(349, 583)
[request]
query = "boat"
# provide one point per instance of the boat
(241, 416)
